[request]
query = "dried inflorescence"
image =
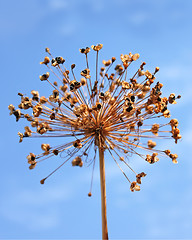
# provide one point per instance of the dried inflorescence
(107, 109)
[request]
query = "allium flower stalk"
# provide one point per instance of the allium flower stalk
(107, 111)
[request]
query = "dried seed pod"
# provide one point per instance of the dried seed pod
(135, 56)
(151, 144)
(97, 47)
(84, 50)
(44, 76)
(46, 61)
(77, 162)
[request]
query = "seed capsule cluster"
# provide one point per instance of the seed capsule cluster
(107, 108)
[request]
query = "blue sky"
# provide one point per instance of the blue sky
(161, 31)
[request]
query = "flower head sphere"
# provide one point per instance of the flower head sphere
(106, 111)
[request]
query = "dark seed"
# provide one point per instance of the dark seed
(55, 151)
(52, 116)
(58, 60)
(129, 108)
(133, 98)
(72, 87)
(53, 60)
(164, 109)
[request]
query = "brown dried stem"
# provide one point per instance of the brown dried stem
(103, 193)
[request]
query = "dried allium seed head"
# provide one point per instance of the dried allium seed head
(109, 110)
